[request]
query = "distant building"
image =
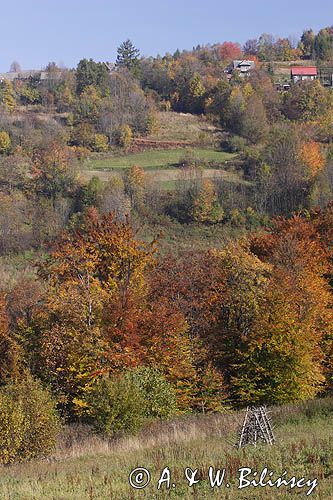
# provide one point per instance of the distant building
(282, 86)
(241, 66)
(110, 66)
(325, 75)
(23, 75)
(301, 73)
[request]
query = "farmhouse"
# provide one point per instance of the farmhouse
(242, 67)
(300, 73)
(23, 75)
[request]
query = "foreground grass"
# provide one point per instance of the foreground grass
(159, 159)
(90, 468)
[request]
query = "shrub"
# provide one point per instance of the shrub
(234, 144)
(80, 152)
(12, 428)
(124, 136)
(152, 124)
(115, 406)
(83, 135)
(253, 218)
(101, 143)
(159, 396)
(124, 403)
(236, 218)
(29, 424)
(30, 95)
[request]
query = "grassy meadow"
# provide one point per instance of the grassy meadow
(88, 467)
(157, 159)
(162, 166)
(200, 139)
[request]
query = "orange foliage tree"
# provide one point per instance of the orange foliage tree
(299, 302)
(259, 314)
(229, 50)
(191, 283)
(99, 317)
(312, 157)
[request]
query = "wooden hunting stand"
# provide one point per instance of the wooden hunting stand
(256, 426)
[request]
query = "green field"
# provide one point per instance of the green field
(90, 468)
(158, 159)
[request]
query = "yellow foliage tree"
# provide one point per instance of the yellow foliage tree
(125, 136)
(5, 142)
(135, 185)
(206, 207)
(7, 95)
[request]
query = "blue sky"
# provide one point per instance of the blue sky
(34, 32)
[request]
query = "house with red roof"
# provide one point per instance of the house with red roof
(300, 73)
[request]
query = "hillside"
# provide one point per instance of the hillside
(179, 136)
(166, 250)
(185, 127)
(90, 468)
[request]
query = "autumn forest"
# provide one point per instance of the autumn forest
(166, 237)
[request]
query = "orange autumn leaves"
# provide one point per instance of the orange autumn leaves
(297, 309)
(247, 323)
(260, 311)
(312, 157)
(99, 316)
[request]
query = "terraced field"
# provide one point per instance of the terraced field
(162, 165)
(158, 159)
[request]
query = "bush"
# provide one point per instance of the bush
(83, 135)
(159, 396)
(234, 144)
(12, 428)
(152, 125)
(5, 142)
(124, 136)
(115, 406)
(101, 143)
(29, 424)
(237, 218)
(253, 218)
(30, 95)
(124, 403)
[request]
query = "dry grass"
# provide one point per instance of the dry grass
(185, 127)
(167, 178)
(88, 467)
(77, 441)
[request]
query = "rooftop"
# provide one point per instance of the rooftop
(303, 70)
